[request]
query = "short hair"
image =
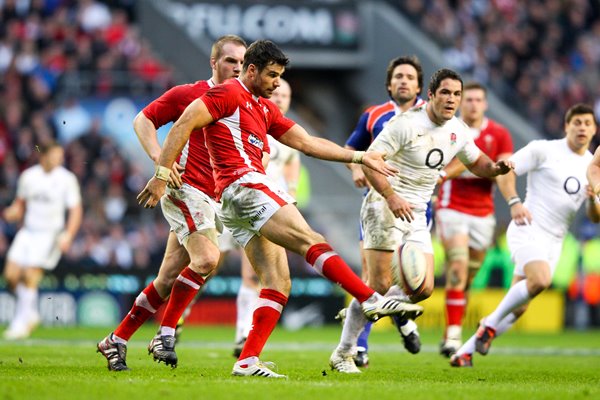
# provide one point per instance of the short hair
(440, 75)
(579, 109)
(410, 60)
(262, 53)
(46, 147)
(217, 47)
(474, 85)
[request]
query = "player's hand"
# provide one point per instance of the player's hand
(376, 161)
(150, 196)
(64, 241)
(504, 167)
(520, 214)
(400, 207)
(175, 176)
(358, 176)
(11, 214)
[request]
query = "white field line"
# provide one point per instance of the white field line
(316, 346)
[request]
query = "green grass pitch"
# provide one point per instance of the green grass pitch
(61, 363)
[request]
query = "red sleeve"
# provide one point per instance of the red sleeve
(165, 109)
(279, 124)
(221, 101)
(505, 143)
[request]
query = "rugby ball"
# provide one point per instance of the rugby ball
(409, 268)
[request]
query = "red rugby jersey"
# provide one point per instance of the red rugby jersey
(468, 193)
(194, 156)
(237, 138)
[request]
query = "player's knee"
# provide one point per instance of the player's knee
(380, 284)
(538, 284)
(424, 293)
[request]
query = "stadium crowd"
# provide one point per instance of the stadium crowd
(50, 49)
(539, 56)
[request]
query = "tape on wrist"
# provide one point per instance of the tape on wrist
(162, 173)
(357, 157)
(513, 200)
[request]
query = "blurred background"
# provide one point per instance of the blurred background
(79, 71)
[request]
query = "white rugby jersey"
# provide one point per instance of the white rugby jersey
(556, 180)
(419, 149)
(280, 155)
(47, 196)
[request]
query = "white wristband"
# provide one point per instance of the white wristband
(513, 200)
(357, 157)
(162, 173)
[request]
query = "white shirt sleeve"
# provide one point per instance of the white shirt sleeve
(22, 185)
(73, 192)
(393, 137)
(529, 157)
(469, 152)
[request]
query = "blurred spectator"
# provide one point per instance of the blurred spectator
(540, 56)
(53, 52)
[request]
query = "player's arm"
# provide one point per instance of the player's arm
(195, 116)
(296, 137)
(507, 184)
(146, 133)
(593, 173)
(74, 218)
(358, 176)
(484, 167)
(266, 157)
(360, 139)
(14, 212)
(398, 205)
(454, 168)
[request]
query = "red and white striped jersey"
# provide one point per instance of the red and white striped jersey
(194, 156)
(237, 138)
(468, 193)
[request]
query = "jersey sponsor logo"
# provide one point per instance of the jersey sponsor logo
(255, 141)
(434, 158)
(453, 138)
(249, 105)
(572, 185)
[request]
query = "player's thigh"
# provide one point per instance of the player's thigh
(32, 277)
(481, 231)
(270, 263)
(379, 269)
(12, 272)
(288, 228)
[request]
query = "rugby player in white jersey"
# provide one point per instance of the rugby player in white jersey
(418, 143)
(284, 168)
(44, 193)
(556, 189)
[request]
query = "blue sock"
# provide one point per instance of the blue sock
(399, 321)
(364, 336)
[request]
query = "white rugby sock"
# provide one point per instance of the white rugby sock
(516, 296)
(506, 324)
(468, 347)
(245, 303)
(353, 326)
(19, 318)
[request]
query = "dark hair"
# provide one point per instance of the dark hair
(474, 85)
(440, 75)
(579, 109)
(262, 53)
(217, 47)
(410, 60)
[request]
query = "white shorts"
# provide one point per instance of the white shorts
(188, 210)
(383, 231)
(480, 230)
(227, 242)
(35, 249)
(531, 243)
(248, 203)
